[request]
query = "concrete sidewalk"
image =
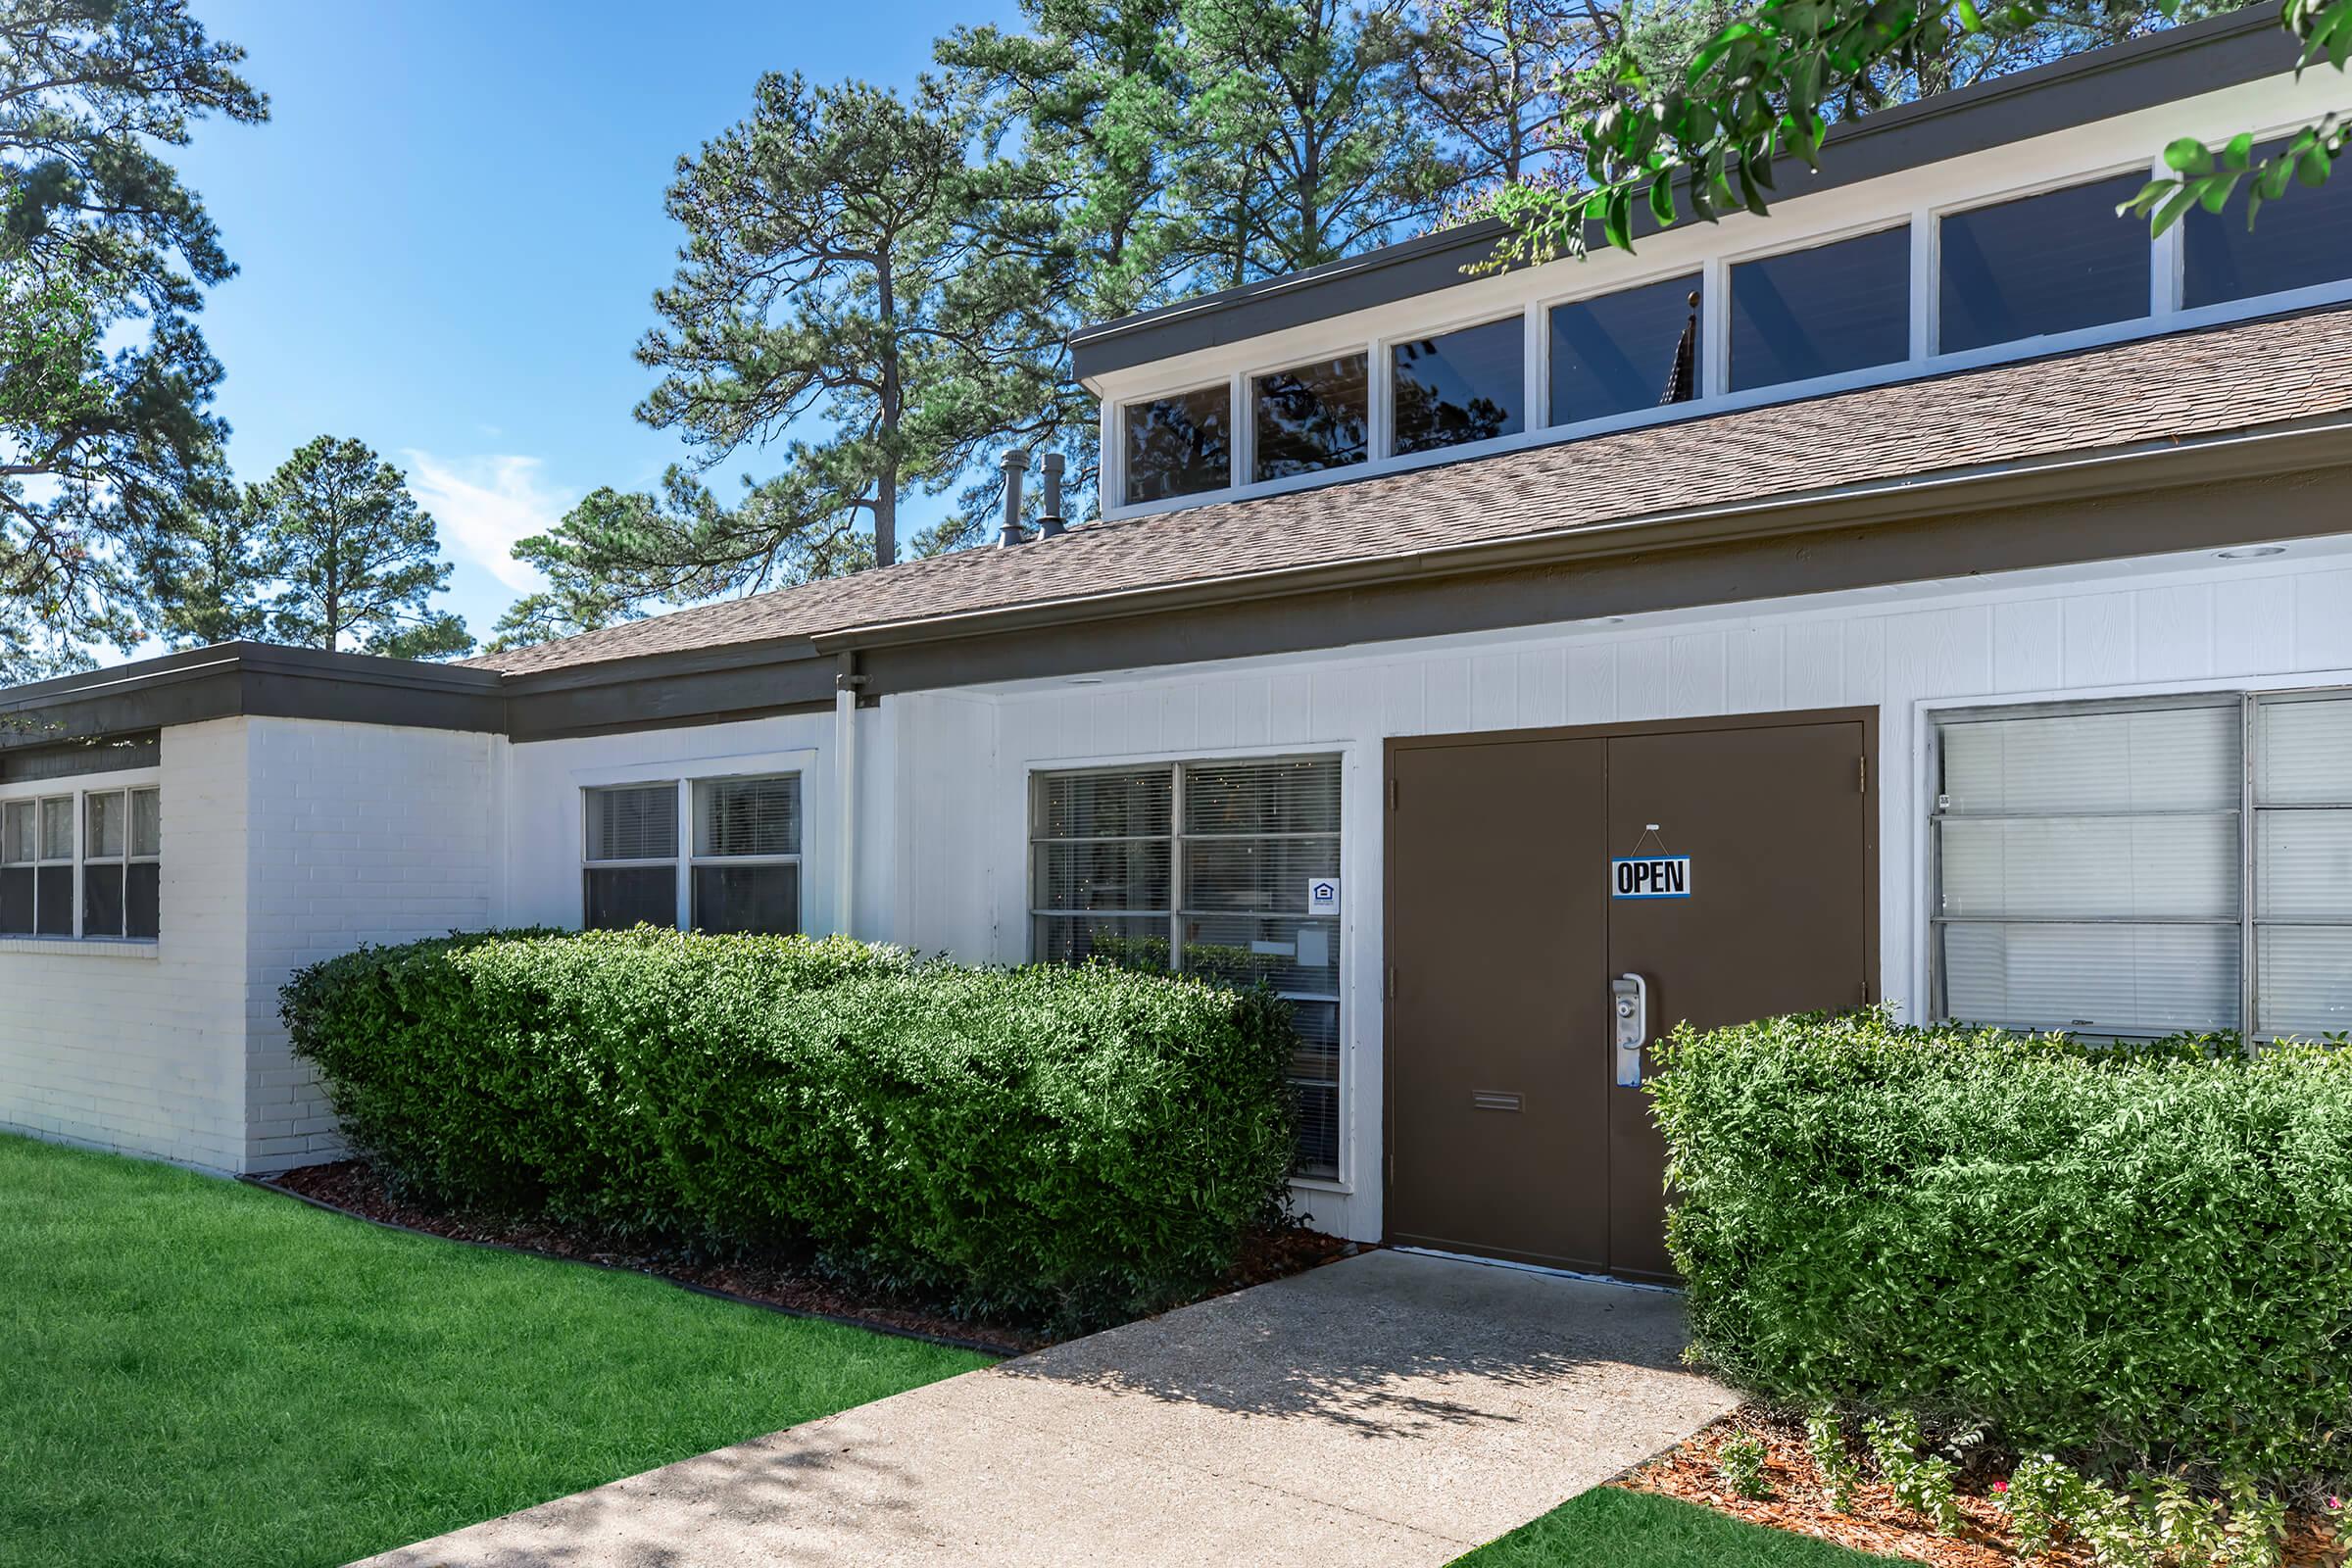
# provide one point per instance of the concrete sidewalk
(1387, 1409)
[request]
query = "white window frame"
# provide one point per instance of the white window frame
(1375, 400)
(683, 776)
(676, 859)
(687, 804)
(2250, 921)
(74, 794)
(1175, 913)
(126, 861)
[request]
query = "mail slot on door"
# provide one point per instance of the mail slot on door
(1629, 1026)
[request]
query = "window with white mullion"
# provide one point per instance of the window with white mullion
(122, 864)
(2141, 867)
(1203, 868)
(2088, 868)
(632, 858)
(37, 892)
(2301, 910)
(745, 870)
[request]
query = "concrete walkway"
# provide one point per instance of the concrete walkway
(1387, 1409)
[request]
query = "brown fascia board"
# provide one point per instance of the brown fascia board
(656, 691)
(249, 679)
(2098, 84)
(2255, 486)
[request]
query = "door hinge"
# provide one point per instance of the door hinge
(1392, 981)
(1392, 794)
(1862, 775)
(1866, 993)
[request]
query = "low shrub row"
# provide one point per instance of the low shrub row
(2129, 1257)
(1065, 1146)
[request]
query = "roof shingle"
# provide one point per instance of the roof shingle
(2233, 377)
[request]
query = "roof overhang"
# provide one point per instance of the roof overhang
(2268, 483)
(2302, 446)
(235, 679)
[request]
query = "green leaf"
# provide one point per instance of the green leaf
(1715, 48)
(2149, 194)
(2188, 156)
(2214, 190)
(1661, 198)
(1618, 221)
(1750, 197)
(2312, 169)
(2169, 212)
(1970, 17)
(2239, 152)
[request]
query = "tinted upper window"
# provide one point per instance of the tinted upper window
(2046, 264)
(1838, 307)
(1461, 386)
(1635, 349)
(1179, 446)
(1310, 418)
(2303, 238)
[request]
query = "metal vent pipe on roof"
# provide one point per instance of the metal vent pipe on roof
(1048, 522)
(1016, 464)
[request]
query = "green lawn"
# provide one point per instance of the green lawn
(193, 1372)
(1612, 1529)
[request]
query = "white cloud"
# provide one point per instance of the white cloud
(484, 504)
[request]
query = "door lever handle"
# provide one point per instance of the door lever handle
(1629, 1026)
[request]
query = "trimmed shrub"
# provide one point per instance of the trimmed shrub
(2128, 1257)
(1067, 1146)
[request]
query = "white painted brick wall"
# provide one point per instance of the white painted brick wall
(141, 1049)
(284, 840)
(359, 833)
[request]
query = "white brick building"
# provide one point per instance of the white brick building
(1977, 638)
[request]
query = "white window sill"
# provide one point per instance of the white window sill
(82, 947)
(1323, 1184)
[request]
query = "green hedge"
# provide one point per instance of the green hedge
(2124, 1257)
(1073, 1146)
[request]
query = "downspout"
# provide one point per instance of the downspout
(846, 682)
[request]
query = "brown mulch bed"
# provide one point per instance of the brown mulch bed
(1879, 1525)
(354, 1187)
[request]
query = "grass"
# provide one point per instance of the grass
(194, 1372)
(1642, 1530)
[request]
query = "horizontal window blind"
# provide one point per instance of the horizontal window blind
(2142, 868)
(633, 822)
(739, 816)
(2303, 864)
(2089, 868)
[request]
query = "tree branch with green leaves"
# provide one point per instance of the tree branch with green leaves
(1703, 141)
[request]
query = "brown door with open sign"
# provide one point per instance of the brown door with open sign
(1509, 1133)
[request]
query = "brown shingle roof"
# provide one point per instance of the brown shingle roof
(2222, 379)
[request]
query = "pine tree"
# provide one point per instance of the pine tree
(830, 278)
(105, 382)
(355, 555)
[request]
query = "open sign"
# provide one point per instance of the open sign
(1651, 876)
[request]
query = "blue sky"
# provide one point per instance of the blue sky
(450, 231)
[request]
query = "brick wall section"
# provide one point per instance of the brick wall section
(140, 1050)
(358, 834)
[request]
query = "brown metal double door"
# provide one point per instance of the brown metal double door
(1508, 1133)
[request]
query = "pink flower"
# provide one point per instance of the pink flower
(2000, 1486)
(2336, 1504)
